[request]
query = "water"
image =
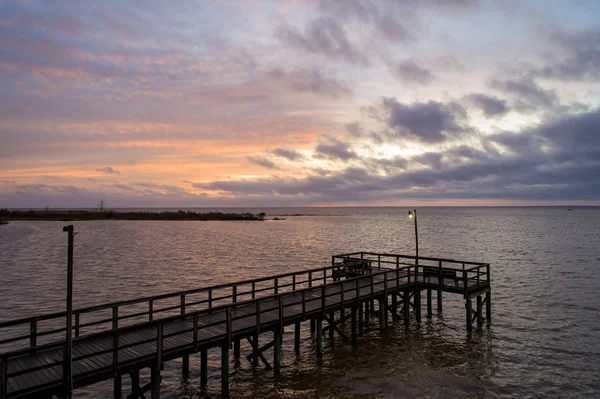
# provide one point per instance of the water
(546, 303)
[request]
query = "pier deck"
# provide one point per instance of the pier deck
(221, 316)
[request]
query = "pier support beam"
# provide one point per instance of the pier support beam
(225, 370)
(488, 306)
(383, 314)
(203, 368)
(236, 348)
(469, 306)
(417, 300)
(297, 338)
(394, 306)
(118, 387)
(479, 311)
(429, 307)
(332, 323)
(277, 351)
(185, 367)
(406, 307)
(312, 326)
(439, 301)
(319, 338)
(360, 318)
(354, 327)
(155, 381)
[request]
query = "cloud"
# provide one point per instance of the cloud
(528, 93)
(311, 81)
(577, 58)
(538, 167)
(324, 36)
(408, 71)
(109, 171)
(287, 153)
(263, 161)
(425, 122)
(491, 106)
(335, 150)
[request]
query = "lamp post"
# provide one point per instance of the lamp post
(68, 359)
(413, 215)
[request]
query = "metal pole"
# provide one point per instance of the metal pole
(416, 238)
(68, 359)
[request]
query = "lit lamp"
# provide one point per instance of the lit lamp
(413, 215)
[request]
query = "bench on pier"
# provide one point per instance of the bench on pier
(352, 267)
(447, 274)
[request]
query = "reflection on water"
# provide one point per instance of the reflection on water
(545, 269)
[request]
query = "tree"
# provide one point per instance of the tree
(101, 206)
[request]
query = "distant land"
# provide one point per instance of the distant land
(82, 215)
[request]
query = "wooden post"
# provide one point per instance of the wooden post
(155, 373)
(354, 326)
(135, 383)
(331, 321)
(225, 370)
(277, 351)
(479, 311)
(394, 306)
(185, 360)
(203, 368)
(360, 318)
(468, 305)
(185, 366)
(418, 305)
(312, 326)
(3, 379)
(319, 338)
(255, 351)
(33, 334)
(488, 306)
(67, 355)
(117, 386)
(382, 314)
(429, 312)
(236, 348)
(406, 307)
(440, 286)
(439, 301)
(297, 338)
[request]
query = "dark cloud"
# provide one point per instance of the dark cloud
(578, 58)
(491, 106)
(408, 71)
(558, 160)
(123, 187)
(264, 162)
(426, 122)
(109, 170)
(528, 94)
(311, 81)
(323, 36)
(287, 153)
(335, 149)
(385, 17)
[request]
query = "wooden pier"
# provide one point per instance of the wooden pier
(121, 338)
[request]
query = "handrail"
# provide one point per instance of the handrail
(219, 308)
(311, 277)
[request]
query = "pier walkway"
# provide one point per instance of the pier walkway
(120, 338)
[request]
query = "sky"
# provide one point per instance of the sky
(299, 103)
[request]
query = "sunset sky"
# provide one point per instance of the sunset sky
(299, 102)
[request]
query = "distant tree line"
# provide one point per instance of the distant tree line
(74, 215)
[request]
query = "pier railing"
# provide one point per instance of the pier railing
(463, 275)
(225, 317)
(33, 331)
